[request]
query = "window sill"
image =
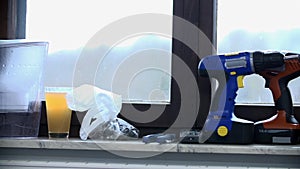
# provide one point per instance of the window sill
(138, 146)
(75, 153)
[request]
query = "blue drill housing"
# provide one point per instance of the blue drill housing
(225, 69)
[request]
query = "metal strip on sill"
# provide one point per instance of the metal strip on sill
(14, 164)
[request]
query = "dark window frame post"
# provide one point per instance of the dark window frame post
(201, 13)
(13, 19)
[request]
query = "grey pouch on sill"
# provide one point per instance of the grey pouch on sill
(116, 129)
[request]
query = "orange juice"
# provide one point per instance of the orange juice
(58, 114)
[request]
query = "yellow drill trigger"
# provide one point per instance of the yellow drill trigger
(240, 80)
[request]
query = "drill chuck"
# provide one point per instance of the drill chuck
(262, 61)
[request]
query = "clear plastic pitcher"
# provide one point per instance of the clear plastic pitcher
(21, 87)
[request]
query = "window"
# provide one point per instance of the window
(199, 13)
(68, 25)
(259, 25)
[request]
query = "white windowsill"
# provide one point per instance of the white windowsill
(139, 146)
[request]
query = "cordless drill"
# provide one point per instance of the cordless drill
(229, 71)
(285, 127)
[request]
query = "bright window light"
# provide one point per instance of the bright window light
(68, 25)
(266, 25)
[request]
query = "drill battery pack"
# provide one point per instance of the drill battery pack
(240, 133)
(276, 136)
(277, 131)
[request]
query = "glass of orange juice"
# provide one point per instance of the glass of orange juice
(58, 113)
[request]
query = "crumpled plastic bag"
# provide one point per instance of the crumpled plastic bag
(102, 108)
(113, 130)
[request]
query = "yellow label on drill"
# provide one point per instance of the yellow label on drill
(233, 73)
(216, 117)
(222, 131)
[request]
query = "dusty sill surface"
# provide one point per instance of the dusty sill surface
(139, 146)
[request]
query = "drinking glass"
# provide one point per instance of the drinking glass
(58, 113)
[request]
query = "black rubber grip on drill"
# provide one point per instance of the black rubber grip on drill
(262, 61)
(284, 102)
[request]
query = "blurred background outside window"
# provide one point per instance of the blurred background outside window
(68, 25)
(265, 25)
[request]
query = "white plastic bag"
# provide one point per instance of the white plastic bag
(102, 108)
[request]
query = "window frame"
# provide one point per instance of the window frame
(13, 19)
(201, 13)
